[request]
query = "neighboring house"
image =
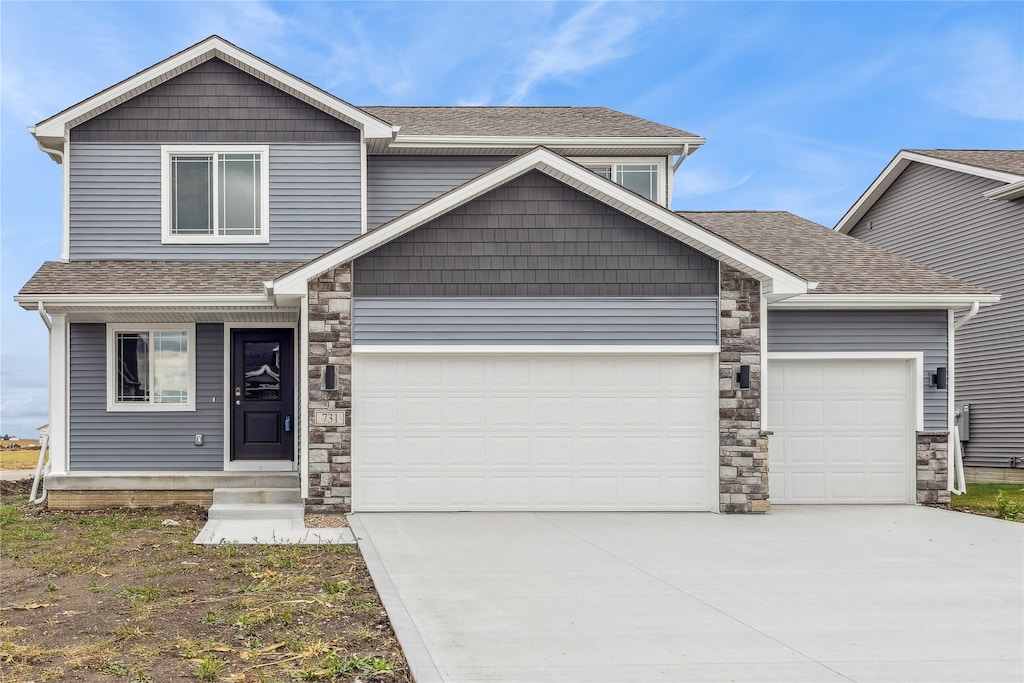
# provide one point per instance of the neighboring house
(448, 308)
(962, 212)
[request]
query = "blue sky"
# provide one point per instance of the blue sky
(802, 104)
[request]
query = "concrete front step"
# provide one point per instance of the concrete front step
(256, 496)
(243, 511)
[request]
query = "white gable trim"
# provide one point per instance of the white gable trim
(214, 46)
(884, 301)
(774, 280)
(888, 176)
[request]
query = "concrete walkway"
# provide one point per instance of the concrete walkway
(839, 593)
(16, 475)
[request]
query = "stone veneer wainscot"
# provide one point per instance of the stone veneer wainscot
(330, 343)
(742, 446)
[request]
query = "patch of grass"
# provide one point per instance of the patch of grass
(1001, 500)
(20, 459)
(208, 668)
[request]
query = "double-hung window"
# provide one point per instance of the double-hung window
(150, 367)
(642, 177)
(215, 194)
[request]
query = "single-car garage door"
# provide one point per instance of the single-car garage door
(533, 432)
(843, 431)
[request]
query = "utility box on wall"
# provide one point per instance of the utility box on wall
(962, 421)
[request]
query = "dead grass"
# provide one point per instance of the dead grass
(18, 459)
(118, 596)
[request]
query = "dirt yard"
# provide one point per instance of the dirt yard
(124, 595)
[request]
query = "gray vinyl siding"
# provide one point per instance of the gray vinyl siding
(535, 237)
(939, 217)
(395, 185)
(115, 204)
(534, 320)
(858, 331)
(120, 441)
(214, 102)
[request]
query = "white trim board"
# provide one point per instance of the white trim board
(774, 279)
(884, 301)
(899, 163)
(574, 350)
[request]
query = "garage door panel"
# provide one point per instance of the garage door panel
(843, 431)
(553, 432)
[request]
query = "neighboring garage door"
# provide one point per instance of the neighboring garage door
(843, 431)
(533, 432)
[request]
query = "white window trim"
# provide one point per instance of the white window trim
(659, 185)
(167, 151)
(111, 369)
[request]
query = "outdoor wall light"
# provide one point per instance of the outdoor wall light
(743, 377)
(330, 378)
(940, 379)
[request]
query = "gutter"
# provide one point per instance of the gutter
(55, 154)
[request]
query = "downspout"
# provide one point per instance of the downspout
(42, 314)
(970, 314)
(42, 465)
(682, 155)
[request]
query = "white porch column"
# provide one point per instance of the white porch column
(59, 394)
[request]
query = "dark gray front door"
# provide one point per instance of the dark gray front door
(262, 395)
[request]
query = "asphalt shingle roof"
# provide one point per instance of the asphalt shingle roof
(838, 263)
(522, 121)
(155, 277)
(1005, 160)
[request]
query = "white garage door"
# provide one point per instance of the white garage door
(533, 432)
(843, 431)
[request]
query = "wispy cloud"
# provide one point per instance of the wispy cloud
(984, 75)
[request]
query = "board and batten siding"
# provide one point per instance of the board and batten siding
(115, 204)
(126, 441)
(939, 217)
(535, 236)
(398, 184)
(534, 321)
(876, 331)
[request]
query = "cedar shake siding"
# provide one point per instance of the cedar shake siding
(939, 217)
(535, 236)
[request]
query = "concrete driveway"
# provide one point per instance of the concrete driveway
(806, 593)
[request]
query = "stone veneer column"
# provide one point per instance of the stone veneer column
(742, 446)
(330, 343)
(932, 467)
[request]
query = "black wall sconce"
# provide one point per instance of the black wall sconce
(330, 378)
(939, 380)
(743, 377)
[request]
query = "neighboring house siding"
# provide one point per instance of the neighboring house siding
(535, 236)
(854, 331)
(214, 102)
(534, 321)
(397, 184)
(939, 217)
(115, 204)
(102, 440)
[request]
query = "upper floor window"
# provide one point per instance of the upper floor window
(215, 195)
(150, 367)
(640, 176)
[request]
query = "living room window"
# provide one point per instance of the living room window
(215, 195)
(640, 176)
(151, 367)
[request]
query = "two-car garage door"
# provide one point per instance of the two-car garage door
(534, 431)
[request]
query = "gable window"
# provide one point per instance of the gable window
(641, 177)
(215, 195)
(150, 367)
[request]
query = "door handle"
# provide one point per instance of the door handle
(288, 424)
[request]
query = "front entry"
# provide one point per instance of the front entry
(262, 395)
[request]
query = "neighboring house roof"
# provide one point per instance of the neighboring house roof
(1002, 165)
(777, 280)
(134, 278)
(841, 265)
(52, 131)
(571, 122)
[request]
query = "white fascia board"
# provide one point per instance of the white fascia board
(899, 163)
(429, 142)
(501, 349)
(213, 46)
(32, 301)
(1006, 192)
(890, 301)
(774, 279)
